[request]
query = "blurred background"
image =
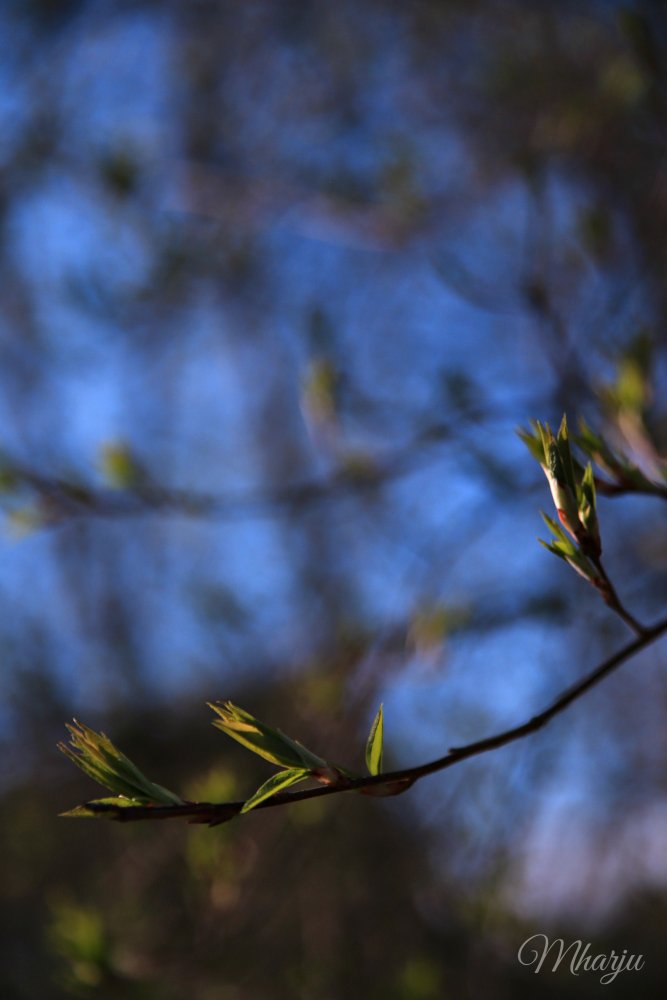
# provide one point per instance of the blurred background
(279, 282)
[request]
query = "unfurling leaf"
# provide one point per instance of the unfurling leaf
(374, 744)
(97, 757)
(563, 547)
(616, 464)
(572, 488)
(276, 783)
(269, 743)
(100, 808)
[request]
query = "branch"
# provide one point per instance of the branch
(608, 593)
(60, 500)
(608, 489)
(393, 782)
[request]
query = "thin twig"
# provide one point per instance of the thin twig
(608, 593)
(608, 489)
(394, 782)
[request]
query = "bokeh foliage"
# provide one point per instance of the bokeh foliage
(279, 281)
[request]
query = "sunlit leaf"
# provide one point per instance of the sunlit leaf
(614, 462)
(630, 390)
(276, 783)
(374, 744)
(88, 811)
(271, 744)
(97, 757)
(532, 439)
(558, 532)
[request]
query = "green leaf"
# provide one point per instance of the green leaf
(565, 454)
(533, 441)
(565, 549)
(269, 743)
(374, 744)
(558, 532)
(613, 462)
(596, 447)
(276, 783)
(588, 511)
(319, 391)
(96, 756)
(118, 466)
(88, 811)
(631, 389)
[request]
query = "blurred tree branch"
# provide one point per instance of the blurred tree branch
(60, 499)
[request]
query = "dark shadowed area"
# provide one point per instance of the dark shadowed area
(279, 282)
